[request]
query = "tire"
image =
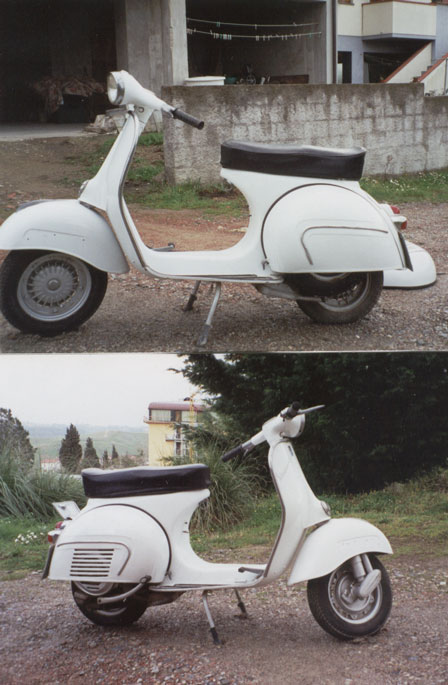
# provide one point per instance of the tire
(119, 614)
(362, 293)
(345, 618)
(49, 292)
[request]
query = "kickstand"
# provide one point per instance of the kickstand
(208, 323)
(215, 635)
(241, 605)
(193, 297)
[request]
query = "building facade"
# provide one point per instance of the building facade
(393, 41)
(166, 434)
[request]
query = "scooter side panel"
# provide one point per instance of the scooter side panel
(64, 226)
(333, 543)
(111, 543)
(325, 228)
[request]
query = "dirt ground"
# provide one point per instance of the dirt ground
(145, 314)
(45, 639)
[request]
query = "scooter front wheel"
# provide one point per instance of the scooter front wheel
(49, 292)
(119, 614)
(336, 605)
(356, 295)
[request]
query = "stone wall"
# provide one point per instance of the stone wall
(402, 130)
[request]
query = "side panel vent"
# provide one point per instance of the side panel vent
(91, 563)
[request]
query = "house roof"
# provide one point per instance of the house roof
(175, 406)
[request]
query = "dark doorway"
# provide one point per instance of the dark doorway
(45, 44)
(345, 65)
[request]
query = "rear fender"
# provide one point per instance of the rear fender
(327, 228)
(333, 543)
(65, 226)
(114, 543)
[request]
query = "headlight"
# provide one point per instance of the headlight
(115, 88)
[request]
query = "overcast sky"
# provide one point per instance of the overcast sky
(102, 389)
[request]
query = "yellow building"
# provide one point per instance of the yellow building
(165, 434)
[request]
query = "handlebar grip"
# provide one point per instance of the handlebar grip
(292, 411)
(231, 454)
(187, 118)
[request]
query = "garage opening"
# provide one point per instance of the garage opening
(54, 59)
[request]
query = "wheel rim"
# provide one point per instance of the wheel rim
(345, 602)
(349, 299)
(53, 287)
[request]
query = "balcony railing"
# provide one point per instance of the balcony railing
(399, 19)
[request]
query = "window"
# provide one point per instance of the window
(162, 415)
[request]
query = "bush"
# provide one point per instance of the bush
(31, 493)
(232, 491)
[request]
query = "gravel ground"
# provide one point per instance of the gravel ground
(45, 639)
(142, 314)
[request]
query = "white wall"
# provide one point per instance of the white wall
(403, 130)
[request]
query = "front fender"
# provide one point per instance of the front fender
(333, 543)
(64, 226)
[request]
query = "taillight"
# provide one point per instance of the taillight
(403, 224)
(52, 535)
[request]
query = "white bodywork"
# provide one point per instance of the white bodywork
(149, 535)
(64, 226)
(297, 225)
(100, 545)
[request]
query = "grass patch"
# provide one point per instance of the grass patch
(212, 200)
(23, 547)
(429, 186)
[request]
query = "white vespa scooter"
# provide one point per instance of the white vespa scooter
(129, 548)
(314, 236)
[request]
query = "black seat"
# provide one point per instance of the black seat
(145, 480)
(294, 160)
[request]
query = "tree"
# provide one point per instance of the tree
(105, 460)
(114, 458)
(385, 418)
(70, 451)
(90, 458)
(14, 439)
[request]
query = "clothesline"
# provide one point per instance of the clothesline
(258, 37)
(254, 26)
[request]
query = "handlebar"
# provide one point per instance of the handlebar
(287, 414)
(187, 118)
(294, 410)
(231, 454)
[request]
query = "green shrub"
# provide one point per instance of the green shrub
(233, 491)
(31, 493)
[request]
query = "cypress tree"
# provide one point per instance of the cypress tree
(70, 451)
(90, 458)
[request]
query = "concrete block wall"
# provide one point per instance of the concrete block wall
(403, 130)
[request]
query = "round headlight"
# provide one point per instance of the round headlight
(115, 88)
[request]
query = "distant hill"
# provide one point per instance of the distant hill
(127, 439)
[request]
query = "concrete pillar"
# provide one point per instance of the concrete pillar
(151, 40)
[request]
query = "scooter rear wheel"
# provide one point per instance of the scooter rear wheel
(349, 305)
(49, 292)
(119, 614)
(333, 602)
